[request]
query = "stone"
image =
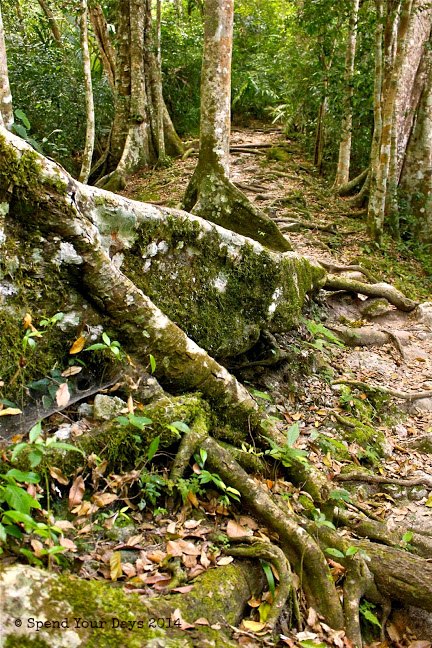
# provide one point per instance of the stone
(106, 408)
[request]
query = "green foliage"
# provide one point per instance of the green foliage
(112, 346)
(366, 613)
(287, 454)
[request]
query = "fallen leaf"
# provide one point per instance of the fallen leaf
(10, 411)
(134, 540)
(63, 395)
(420, 644)
(225, 560)
(177, 618)
(253, 626)
(235, 530)
(71, 371)
(184, 589)
(115, 565)
(68, 544)
(76, 492)
(57, 474)
(156, 556)
(192, 524)
(103, 499)
(428, 502)
(78, 345)
(202, 621)
(27, 320)
(129, 570)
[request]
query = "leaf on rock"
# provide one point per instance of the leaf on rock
(63, 395)
(78, 345)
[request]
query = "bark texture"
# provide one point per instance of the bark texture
(343, 168)
(210, 193)
(90, 112)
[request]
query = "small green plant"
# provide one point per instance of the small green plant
(349, 553)
(287, 454)
(366, 608)
(207, 477)
(37, 446)
(152, 485)
(322, 335)
(113, 346)
(406, 540)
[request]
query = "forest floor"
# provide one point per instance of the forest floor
(275, 175)
(324, 390)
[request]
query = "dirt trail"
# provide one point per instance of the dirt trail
(274, 174)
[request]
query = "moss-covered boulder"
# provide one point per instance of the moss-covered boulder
(40, 610)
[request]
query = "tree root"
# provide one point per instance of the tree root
(381, 289)
(254, 548)
(289, 224)
(366, 387)
(346, 189)
(212, 196)
(300, 548)
(379, 479)
(333, 267)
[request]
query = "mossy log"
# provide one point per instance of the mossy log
(96, 614)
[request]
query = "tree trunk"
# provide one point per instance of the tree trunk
(343, 168)
(210, 194)
(55, 30)
(6, 110)
(416, 180)
(131, 145)
(100, 29)
(90, 113)
(382, 183)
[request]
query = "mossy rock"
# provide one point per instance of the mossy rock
(44, 610)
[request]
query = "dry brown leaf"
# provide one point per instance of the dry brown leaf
(129, 570)
(192, 524)
(420, 644)
(57, 474)
(235, 530)
(189, 561)
(205, 561)
(27, 320)
(115, 565)
(134, 540)
(78, 345)
(37, 546)
(64, 525)
(254, 602)
(156, 556)
(103, 499)
(173, 548)
(192, 498)
(71, 371)
(63, 395)
(76, 492)
(171, 528)
(189, 548)
(225, 560)
(176, 617)
(202, 621)
(68, 544)
(247, 521)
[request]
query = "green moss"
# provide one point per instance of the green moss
(221, 301)
(277, 153)
(370, 439)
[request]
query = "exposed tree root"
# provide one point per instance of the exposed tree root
(287, 224)
(407, 396)
(300, 548)
(212, 196)
(333, 267)
(346, 189)
(254, 548)
(380, 479)
(381, 289)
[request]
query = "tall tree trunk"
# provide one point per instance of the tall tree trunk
(343, 168)
(90, 113)
(55, 30)
(159, 99)
(210, 194)
(131, 145)
(416, 179)
(6, 110)
(100, 29)
(394, 51)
